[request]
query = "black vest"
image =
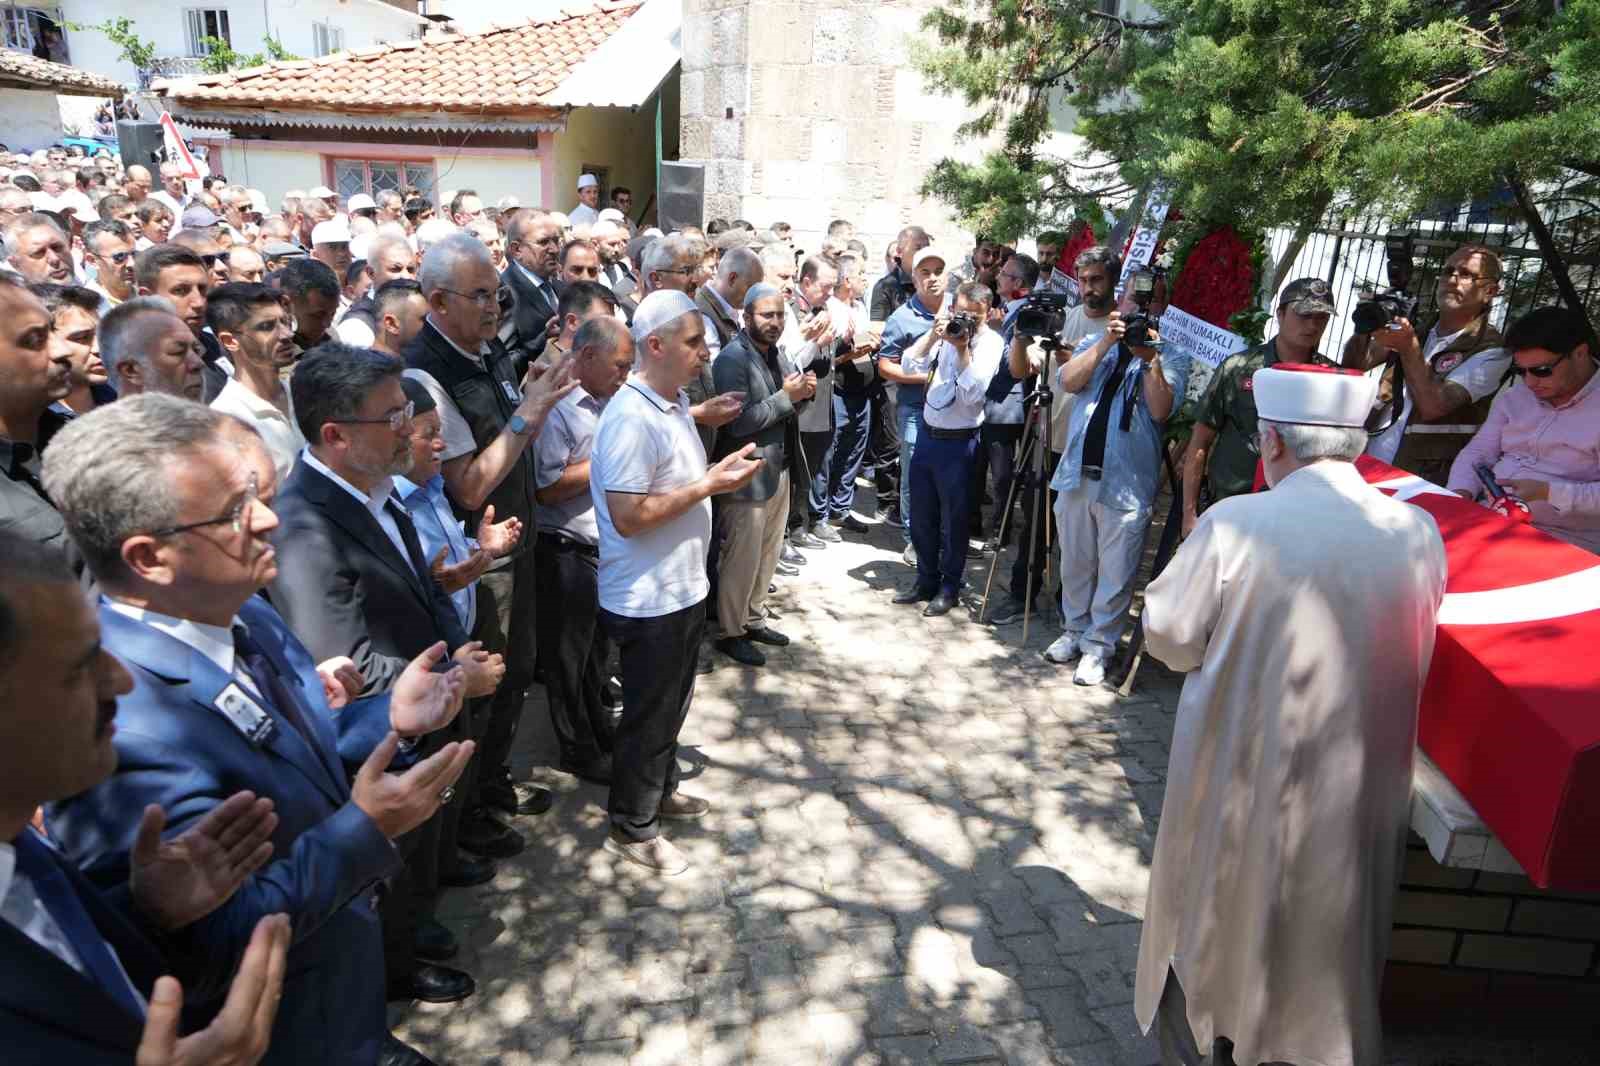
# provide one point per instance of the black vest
(487, 397)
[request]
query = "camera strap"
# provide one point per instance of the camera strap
(1094, 438)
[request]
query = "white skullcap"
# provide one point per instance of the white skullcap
(361, 202)
(334, 231)
(1312, 395)
(759, 290)
(660, 308)
(587, 181)
(321, 192)
(611, 214)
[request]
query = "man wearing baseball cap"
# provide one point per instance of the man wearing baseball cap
(1289, 786)
(587, 213)
(1222, 450)
(904, 328)
(364, 205)
(330, 244)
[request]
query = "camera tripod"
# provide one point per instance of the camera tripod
(1031, 460)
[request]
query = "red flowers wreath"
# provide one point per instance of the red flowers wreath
(1216, 281)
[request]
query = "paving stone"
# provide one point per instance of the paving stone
(905, 1050)
(1066, 1014)
(962, 1043)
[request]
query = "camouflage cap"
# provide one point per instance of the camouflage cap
(1308, 296)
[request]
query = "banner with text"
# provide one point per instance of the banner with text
(1145, 237)
(1197, 338)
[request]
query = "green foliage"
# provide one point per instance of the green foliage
(1264, 112)
(119, 31)
(220, 56)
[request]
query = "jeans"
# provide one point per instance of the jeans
(941, 494)
(1100, 551)
(852, 419)
(573, 650)
(909, 416)
(659, 656)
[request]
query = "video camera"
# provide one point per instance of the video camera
(1142, 288)
(1042, 314)
(1383, 308)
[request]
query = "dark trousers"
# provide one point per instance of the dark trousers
(573, 650)
(852, 420)
(658, 671)
(513, 592)
(409, 895)
(805, 508)
(941, 495)
(883, 450)
(1000, 457)
(1025, 580)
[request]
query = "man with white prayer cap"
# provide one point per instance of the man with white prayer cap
(587, 213)
(1288, 790)
(652, 502)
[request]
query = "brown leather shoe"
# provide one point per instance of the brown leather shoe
(681, 807)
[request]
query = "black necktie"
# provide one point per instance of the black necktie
(1094, 438)
(281, 695)
(408, 536)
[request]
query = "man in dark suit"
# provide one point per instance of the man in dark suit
(353, 581)
(164, 498)
(77, 969)
(533, 246)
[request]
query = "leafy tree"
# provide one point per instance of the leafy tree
(119, 31)
(221, 58)
(1264, 112)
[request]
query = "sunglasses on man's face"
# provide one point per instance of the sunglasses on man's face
(1542, 371)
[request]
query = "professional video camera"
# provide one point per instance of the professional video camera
(1142, 287)
(961, 325)
(1383, 308)
(1043, 314)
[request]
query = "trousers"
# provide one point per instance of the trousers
(1100, 550)
(1178, 1045)
(910, 423)
(753, 536)
(514, 591)
(999, 458)
(805, 508)
(658, 657)
(1026, 579)
(883, 448)
(941, 494)
(573, 650)
(852, 420)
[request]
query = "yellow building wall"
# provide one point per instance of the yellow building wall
(622, 141)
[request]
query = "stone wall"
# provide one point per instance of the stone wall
(804, 112)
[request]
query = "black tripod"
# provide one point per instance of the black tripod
(1036, 432)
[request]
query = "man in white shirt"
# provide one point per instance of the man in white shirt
(257, 332)
(960, 354)
(174, 191)
(587, 213)
(108, 248)
(652, 492)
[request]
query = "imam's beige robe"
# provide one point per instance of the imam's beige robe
(1307, 616)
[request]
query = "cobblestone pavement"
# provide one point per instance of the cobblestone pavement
(926, 846)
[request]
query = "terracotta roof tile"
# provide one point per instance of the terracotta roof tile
(500, 71)
(18, 69)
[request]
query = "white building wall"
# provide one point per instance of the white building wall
(29, 120)
(365, 22)
(491, 176)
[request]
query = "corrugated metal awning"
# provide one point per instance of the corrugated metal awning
(630, 65)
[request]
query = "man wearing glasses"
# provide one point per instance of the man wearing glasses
(1446, 376)
(1540, 436)
(533, 244)
(108, 249)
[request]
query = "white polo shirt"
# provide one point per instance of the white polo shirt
(645, 445)
(278, 429)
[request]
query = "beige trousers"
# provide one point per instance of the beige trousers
(752, 537)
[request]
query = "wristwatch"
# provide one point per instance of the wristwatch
(518, 425)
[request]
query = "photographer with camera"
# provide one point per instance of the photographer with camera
(1107, 478)
(1442, 379)
(1097, 269)
(1222, 451)
(910, 323)
(958, 357)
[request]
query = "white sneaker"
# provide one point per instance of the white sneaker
(1091, 670)
(1064, 650)
(909, 556)
(658, 854)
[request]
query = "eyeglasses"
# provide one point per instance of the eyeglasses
(234, 516)
(1540, 371)
(1454, 273)
(115, 257)
(214, 258)
(396, 420)
(484, 297)
(678, 270)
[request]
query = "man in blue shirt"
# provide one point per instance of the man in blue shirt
(905, 326)
(1107, 485)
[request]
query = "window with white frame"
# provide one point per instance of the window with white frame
(373, 176)
(326, 38)
(205, 22)
(19, 30)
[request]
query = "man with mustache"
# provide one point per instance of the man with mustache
(257, 332)
(33, 375)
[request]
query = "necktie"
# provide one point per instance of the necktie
(408, 536)
(1094, 438)
(253, 658)
(43, 869)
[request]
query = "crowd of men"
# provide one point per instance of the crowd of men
(349, 478)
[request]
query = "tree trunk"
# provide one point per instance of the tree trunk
(1554, 261)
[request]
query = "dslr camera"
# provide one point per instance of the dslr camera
(960, 326)
(1142, 287)
(1043, 314)
(1383, 308)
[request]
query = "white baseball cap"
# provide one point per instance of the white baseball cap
(334, 231)
(361, 202)
(928, 253)
(321, 192)
(588, 181)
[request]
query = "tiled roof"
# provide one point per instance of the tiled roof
(21, 71)
(505, 70)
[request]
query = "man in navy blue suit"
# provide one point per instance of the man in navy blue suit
(168, 502)
(78, 970)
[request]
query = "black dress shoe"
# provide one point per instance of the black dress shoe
(434, 942)
(851, 524)
(943, 603)
(763, 635)
(531, 799)
(481, 834)
(803, 538)
(596, 771)
(741, 650)
(469, 870)
(913, 595)
(395, 1053)
(433, 984)
(704, 664)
